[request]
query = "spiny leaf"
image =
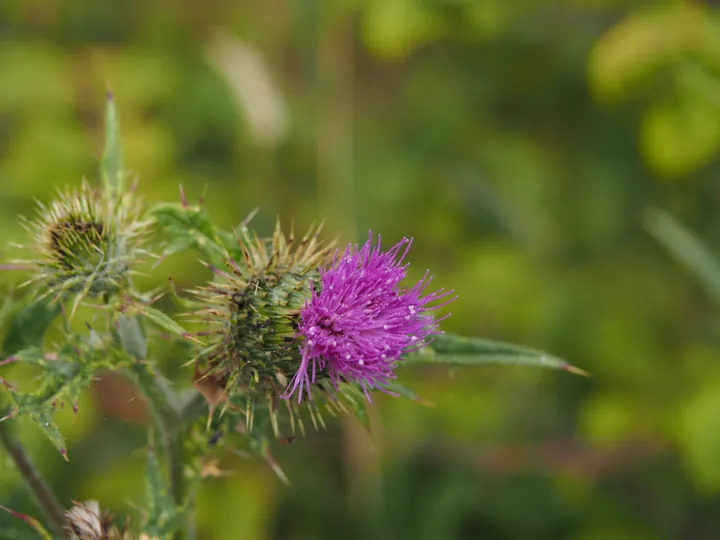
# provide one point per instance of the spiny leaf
(132, 337)
(189, 227)
(457, 350)
(111, 166)
(65, 375)
(43, 419)
(162, 320)
(686, 248)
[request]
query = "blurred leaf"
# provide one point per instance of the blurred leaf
(393, 28)
(680, 136)
(457, 350)
(608, 420)
(686, 248)
(646, 40)
(41, 82)
(28, 324)
(111, 165)
(700, 438)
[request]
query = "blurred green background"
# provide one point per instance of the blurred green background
(519, 142)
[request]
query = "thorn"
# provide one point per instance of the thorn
(9, 415)
(250, 216)
(576, 370)
(190, 337)
(160, 260)
(183, 198)
(7, 384)
(201, 200)
(63, 453)
(275, 466)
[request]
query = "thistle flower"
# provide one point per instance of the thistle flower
(84, 242)
(360, 323)
(252, 311)
(288, 320)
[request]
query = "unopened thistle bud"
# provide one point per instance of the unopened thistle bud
(294, 321)
(86, 243)
(85, 521)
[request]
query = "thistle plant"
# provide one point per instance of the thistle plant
(289, 331)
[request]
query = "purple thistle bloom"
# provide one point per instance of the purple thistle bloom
(361, 322)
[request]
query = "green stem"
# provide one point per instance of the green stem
(169, 423)
(44, 497)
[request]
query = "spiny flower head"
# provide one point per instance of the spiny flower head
(252, 310)
(85, 242)
(359, 324)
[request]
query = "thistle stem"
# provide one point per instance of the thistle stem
(44, 496)
(169, 423)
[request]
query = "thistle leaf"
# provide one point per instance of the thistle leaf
(132, 337)
(686, 248)
(456, 350)
(28, 324)
(66, 374)
(189, 227)
(162, 320)
(111, 165)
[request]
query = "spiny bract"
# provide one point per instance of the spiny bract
(252, 309)
(84, 242)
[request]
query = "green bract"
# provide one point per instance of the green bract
(85, 242)
(251, 310)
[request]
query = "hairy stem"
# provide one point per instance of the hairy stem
(169, 422)
(44, 497)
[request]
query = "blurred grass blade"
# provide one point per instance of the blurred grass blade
(111, 166)
(686, 248)
(456, 350)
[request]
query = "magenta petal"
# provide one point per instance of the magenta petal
(362, 322)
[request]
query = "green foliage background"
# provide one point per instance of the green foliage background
(520, 143)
